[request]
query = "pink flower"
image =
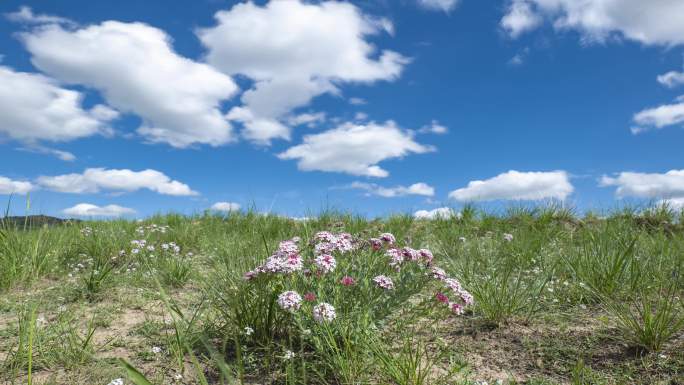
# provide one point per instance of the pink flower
(384, 282)
(396, 257)
(324, 236)
(410, 253)
(347, 281)
(325, 263)
(250, 275)
(324, 312)
(442, 298)
(426, 255)
(290, 301)
(388, 238)
(309, 297)
(376, 243)
(456, 307)
(438, 273)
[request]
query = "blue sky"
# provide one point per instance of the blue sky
(132, 108)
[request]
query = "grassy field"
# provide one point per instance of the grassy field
(531, 296)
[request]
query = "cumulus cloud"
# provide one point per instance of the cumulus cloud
(135, 68)
(659, 117)
(94, 180)
(442, 212)
(225, 206)
(34, 107)
(9, 186)
(396, 191)
(516, 185)
(325, 46)
(90, 210)
(439, 5)
(647, 22)
(354, 149)
(647, 185)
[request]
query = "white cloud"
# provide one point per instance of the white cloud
(94, 180)
(295, 51)
(645, 185)
(38, 149)
(434, 128)
(671, 79)
(442, 212)
(360, 116)
(673, 203)
(659, 117)
(657, 22)
(137, 71)
(9, 186)
(34, 107)
(225, 206)
(310, 119)
(354, 149)
(26, 15)
(516, 185)
(357, 101)
(90, 210)
(440, 5)
(397, 191)
(520, 18)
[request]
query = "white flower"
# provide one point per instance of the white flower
(156, 349)
(508, 237)
(290, 301)
(324, 312)
(117, 381)
(248, 331)
(289, 354)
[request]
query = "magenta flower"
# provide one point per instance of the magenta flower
(442, 298)
(309, 297)
(347, 281)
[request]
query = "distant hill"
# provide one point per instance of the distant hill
(34, 221)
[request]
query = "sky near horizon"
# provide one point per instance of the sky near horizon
(131, 108)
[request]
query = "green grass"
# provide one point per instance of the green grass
(568, 299)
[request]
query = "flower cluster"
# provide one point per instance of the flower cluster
(285, 260)
(398, 256)
(290, 301)
(384, 282)
(143, 247)
(466, 299)
(152, 228)
(327, 242)
(324, 312)
(315, 263)
(325, 263)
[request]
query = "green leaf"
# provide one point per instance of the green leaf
(134, 375)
